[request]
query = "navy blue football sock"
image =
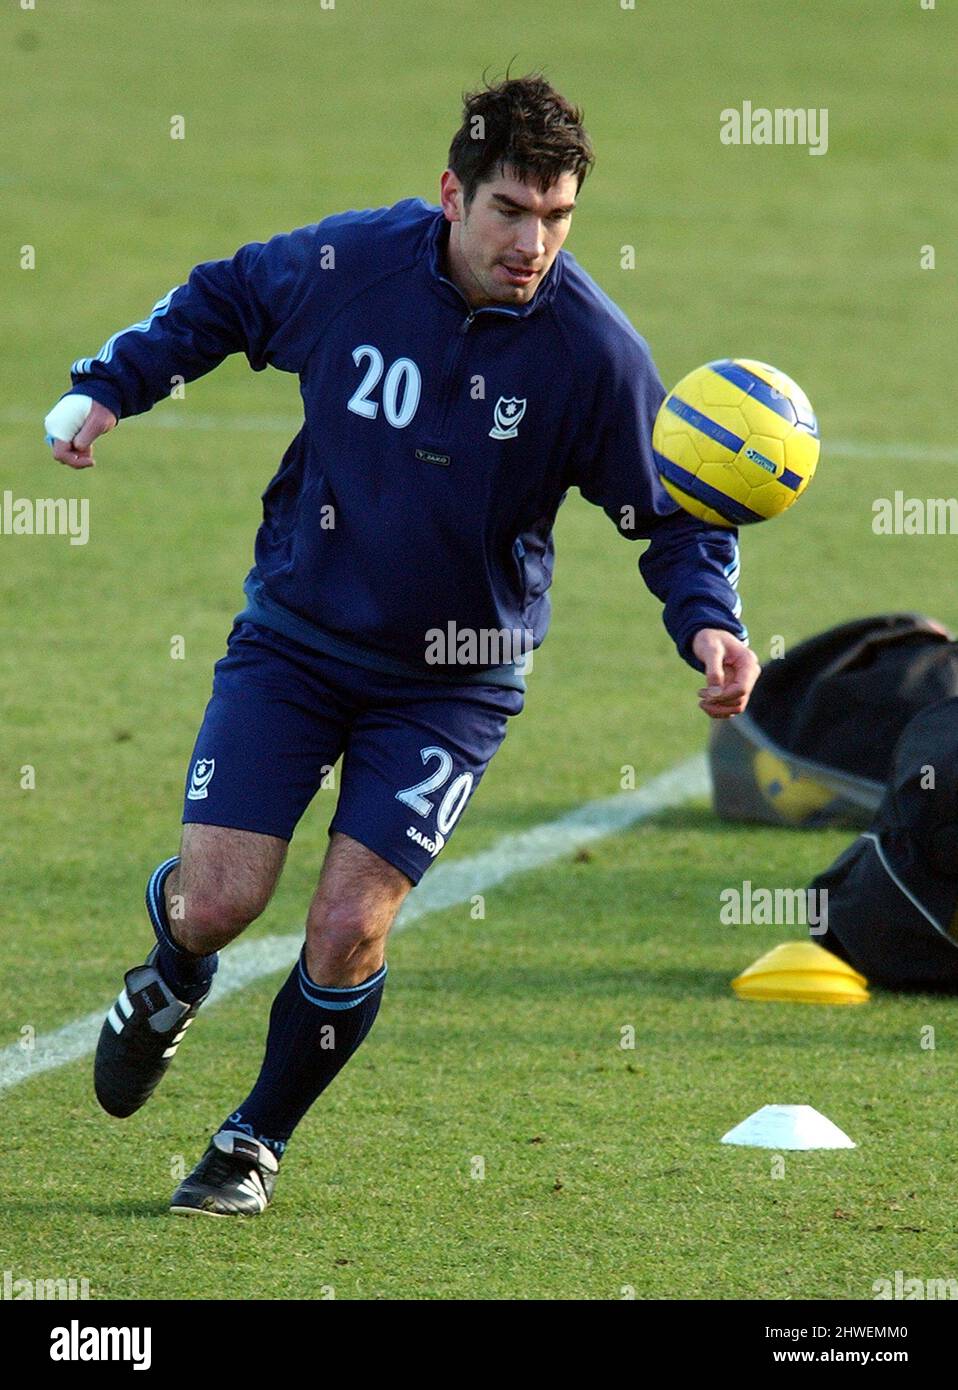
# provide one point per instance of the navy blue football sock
(313, 1032)
(188, 976)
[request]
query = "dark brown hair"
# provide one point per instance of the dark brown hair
(523, 123)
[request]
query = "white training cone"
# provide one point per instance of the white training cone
(788, 1127)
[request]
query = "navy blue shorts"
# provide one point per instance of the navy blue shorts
(280, 717)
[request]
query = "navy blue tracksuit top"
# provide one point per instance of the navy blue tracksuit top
(438, 441)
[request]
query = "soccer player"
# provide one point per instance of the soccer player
(459, 372)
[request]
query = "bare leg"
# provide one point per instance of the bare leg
(224, 880)
(353, 908)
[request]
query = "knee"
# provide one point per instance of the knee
(342, 941)
(208, 921)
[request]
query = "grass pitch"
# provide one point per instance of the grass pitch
(492, 1139)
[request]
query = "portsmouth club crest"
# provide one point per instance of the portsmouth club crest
(508, 412)
(203, 770)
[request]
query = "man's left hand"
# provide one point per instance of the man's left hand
(731, 669)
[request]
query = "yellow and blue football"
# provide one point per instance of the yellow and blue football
(736, 442)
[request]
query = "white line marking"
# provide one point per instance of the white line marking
(445, 885)
(172, 418)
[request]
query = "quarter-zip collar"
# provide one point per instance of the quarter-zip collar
(443, 285)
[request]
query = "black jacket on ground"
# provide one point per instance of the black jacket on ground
(893, 893)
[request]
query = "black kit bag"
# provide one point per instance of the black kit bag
(892, 904)
(815, 745)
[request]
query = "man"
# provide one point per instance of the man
(459, 374)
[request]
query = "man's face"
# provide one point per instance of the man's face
(504, 243)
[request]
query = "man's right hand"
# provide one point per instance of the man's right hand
(78, 451)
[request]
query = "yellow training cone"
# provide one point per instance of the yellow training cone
(802, 972)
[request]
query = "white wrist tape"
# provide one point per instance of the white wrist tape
(66, 417)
